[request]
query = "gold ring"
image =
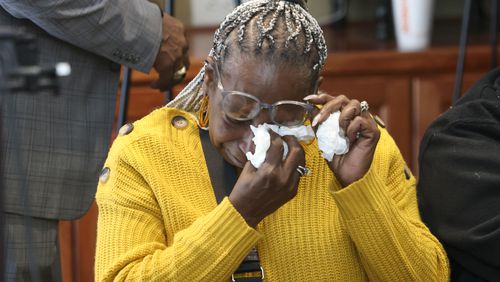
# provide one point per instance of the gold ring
(180, 73)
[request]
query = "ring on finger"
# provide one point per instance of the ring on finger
(180, 73)
(364, 106)
(303, 171)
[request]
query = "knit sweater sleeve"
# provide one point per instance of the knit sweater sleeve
(381, 217)
(131, 236)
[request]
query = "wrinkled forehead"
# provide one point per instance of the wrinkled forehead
(268, 80)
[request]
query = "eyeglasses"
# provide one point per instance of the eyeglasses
(242, 106)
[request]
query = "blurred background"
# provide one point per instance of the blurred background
(213, 11)
(407, 90)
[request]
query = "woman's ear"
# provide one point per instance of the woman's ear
(209, 77)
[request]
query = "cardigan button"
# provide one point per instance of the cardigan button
(105, 172)
(179, 122)
(125, 129)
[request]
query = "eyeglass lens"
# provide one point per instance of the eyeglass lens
(241, 107)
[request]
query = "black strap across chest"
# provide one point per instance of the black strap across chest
(223, 178)
(222, 174)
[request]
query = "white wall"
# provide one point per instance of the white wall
(200, 13)
(212, 11)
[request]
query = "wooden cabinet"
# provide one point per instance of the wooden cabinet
(388, 97)
(431, 96)
(77, 241)
(407, 90)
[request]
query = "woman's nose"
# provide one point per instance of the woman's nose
(246, 144)
(263, 117)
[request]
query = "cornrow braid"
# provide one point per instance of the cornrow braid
(297, 26)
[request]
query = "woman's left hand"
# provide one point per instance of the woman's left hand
(359, 128)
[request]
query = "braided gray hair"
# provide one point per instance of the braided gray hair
(298, 28)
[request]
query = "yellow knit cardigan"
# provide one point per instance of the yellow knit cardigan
(159, 220)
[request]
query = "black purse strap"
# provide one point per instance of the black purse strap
(222, 174)
(223, 178)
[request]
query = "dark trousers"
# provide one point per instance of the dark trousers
(31, 249)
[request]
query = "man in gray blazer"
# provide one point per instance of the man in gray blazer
(53, 146)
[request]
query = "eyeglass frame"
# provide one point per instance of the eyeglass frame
(269, 107)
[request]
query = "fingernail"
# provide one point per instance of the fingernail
(341, 132)
(316, 119)
(310, 97)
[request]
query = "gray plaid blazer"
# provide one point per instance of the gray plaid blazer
(52, 146)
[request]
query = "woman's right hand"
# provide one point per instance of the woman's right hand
(260, 192)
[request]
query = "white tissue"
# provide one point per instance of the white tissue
(303, 133)
(262, 140)
(331, 141)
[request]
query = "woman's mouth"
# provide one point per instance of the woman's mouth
(238, 160)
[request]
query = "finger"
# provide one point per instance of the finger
(366, 114)
(175, 51)
(296, 154)
(248, 168)
(186, 61)
(366, 127)
(332, 106)
(161, 83)
(349, 112)
(156, 85)
(275, 152)
(295, 157)
(373, 125)
(185, 44)
(179, 63)
(320, 99)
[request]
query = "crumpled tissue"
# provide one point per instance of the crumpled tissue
(331, 140)
(262, 140)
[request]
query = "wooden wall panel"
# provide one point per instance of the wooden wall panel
(388, 97)
(431, 96)
(77, 240)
